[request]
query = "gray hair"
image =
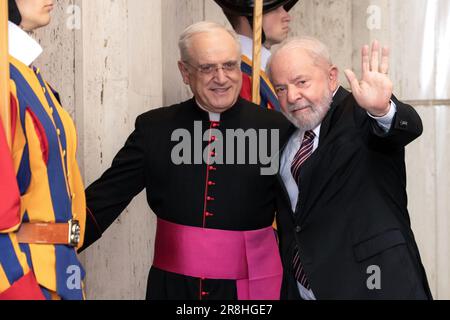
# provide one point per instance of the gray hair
(315, 48)
(184, 42)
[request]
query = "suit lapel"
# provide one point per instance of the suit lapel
(340, 95)
(306, 184)
(310, 186)
(285, 195)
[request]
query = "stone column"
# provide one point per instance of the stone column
(120, 59)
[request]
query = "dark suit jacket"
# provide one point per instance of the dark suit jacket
(352, 210)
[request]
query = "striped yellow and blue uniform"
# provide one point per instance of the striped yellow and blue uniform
(50, 185)
(269, 98)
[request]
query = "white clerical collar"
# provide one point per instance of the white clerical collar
(212, 115)
(21, 46)
(247, 50)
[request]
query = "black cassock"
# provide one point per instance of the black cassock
(243, 198)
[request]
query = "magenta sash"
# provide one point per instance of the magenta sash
(249, 257)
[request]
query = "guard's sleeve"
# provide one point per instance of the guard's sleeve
(107, 197)
(17, 280)
(246, 90)
(9, 190)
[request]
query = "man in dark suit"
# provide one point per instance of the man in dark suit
(343, 220)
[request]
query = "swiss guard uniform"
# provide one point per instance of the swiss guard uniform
(42, 217)
(269, 98)
(214, 236)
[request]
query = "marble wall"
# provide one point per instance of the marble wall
(122, 62)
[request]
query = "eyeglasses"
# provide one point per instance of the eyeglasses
(211, 69)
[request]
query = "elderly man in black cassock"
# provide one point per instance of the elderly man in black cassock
(214, 207)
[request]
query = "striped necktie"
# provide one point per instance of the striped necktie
(306, 149)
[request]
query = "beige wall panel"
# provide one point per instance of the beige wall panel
(443, 51)
(329, 21)
(57, 60)
(214, 13)
(122, 79)
(79, 86)
(178, 14)
(370, 21)
(413, 35)
(421, 187)
(443, 201)
(104, 59)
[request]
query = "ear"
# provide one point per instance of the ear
(184, 72)
(333, 74)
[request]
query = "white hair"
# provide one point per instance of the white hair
(184, 42)
(315, 48)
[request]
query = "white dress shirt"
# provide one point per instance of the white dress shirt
(288, 155)
(212, 115)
